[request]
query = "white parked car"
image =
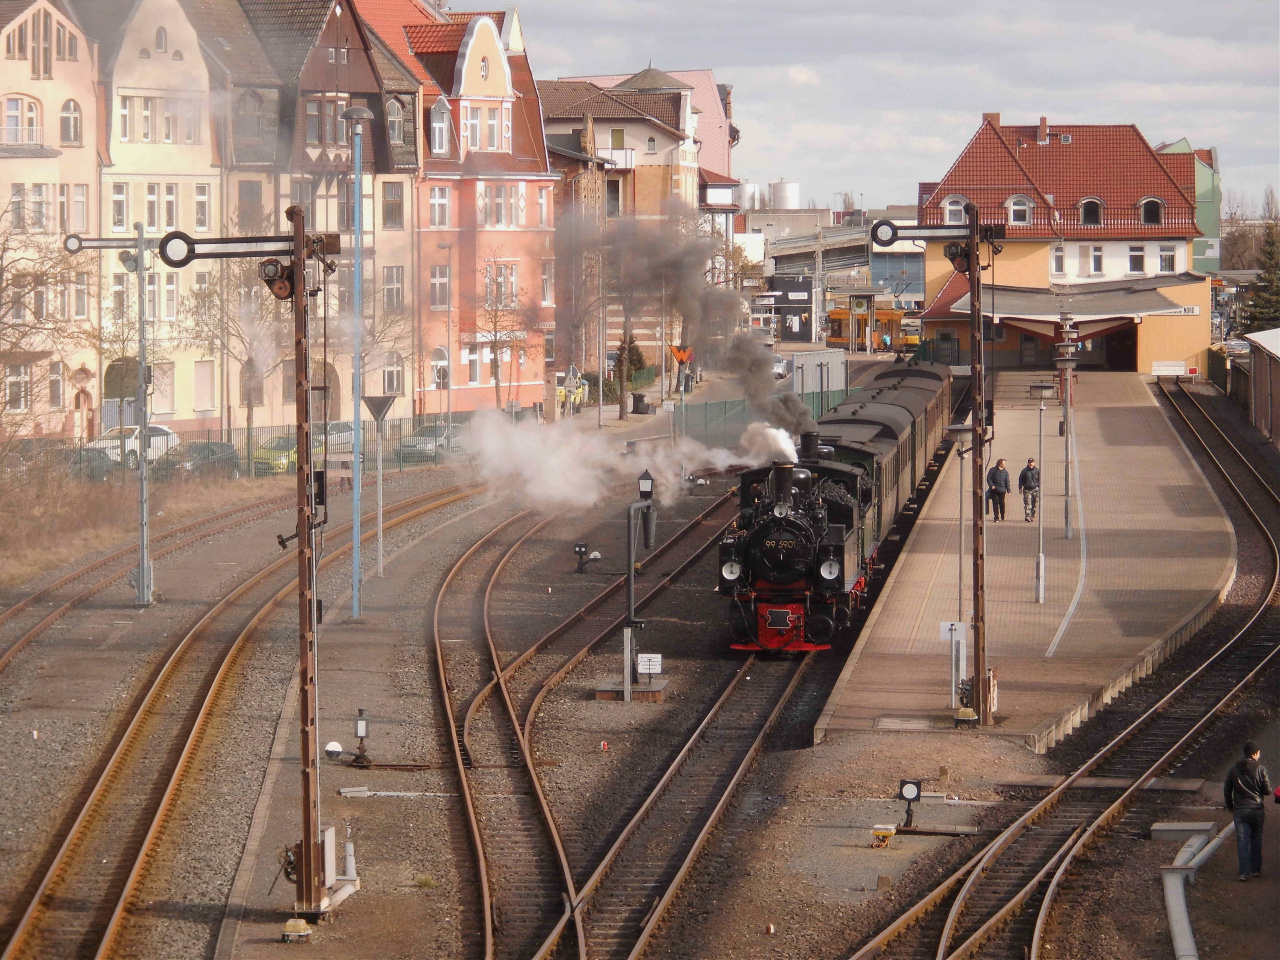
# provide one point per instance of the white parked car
(123, 441)
(779, 367)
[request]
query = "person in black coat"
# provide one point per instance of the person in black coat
(997, 489)
(1029, 487)
(1244, 793)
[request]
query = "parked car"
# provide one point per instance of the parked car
(779, 367)
(123, 442)
(280, 454)
(421, 444)
(79, 463)
(341, 435)
(199, 459)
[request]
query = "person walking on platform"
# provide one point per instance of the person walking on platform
(1029, 487)
(997, 489)
(1244, 793)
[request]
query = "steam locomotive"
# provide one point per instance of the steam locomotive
(796, 562)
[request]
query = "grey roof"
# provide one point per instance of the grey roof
(229, 40)
(27, 151)
(288, 29)
(1268, 340)
(104, 21)
(651, 80)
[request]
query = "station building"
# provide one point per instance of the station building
(1099, 226)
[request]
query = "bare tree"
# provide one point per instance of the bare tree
(501, 321)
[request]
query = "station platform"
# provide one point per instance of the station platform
(1152, 557)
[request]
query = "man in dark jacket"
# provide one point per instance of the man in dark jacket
(997, 489)
(1244, 792)
(1029, 487)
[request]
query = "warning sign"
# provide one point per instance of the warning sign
(682, 354)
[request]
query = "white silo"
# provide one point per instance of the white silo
(750, 195)
(784, 194)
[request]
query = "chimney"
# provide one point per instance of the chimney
(993, 117)
(1043, 136)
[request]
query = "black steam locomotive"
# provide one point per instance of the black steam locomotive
(808, 534)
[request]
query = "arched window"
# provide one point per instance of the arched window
(1152, 212)
(177, 54)
(395, 121)
(1019, 210)
(439, 369)
(22, 121)
(71, 130)
(484, 68)
(162, 40)
(1091, 213)
(651, 145)
(144, 54)
(954, 210)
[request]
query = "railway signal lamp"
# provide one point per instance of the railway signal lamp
(958, 254)
(909, 790)
(362, 731)
(277, 277)
(580, 550)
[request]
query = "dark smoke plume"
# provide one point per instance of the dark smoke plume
(752, 362)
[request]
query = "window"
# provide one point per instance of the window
(473, 129)
(1059, 261)
(119, 294)
(484, 68)
(393, 376)
(10, 51)
(497, 206)
(202, 206)
(170, 206)
(249, 207)
(651, 145)
(162, 40)
(330, 122)
(64, 212)
(56, 374)
(249, 118)
(955, 210)
(340, 108)
(162, 387)
(153, 295)
(61, 45)
(439, 287)
(119, 206)
(171, 296)
(613, 198)
(346, 205)
(71, 124)
(126, 104)
(177, 55)
(22, 40)
(1019, 210)
(544, 206)
(302, 194)
(440, 206)
(500, 285)
(80, 207)
(1137, 260)
(148, 111)
(1152, 212)
(1168, 259)
(333, 54)
(1097, 261)
(153, 206)
(81, 295)
(17, 386)
(73, 47)
(393, 205)
(37, 221)
(395, 121)
(617, 138)
(313, 122)
(202, 282)
(473, 365)
(203, 384)
(17, 216)
(439, 129)
(548, 282)
(393, 289)
(1091, 213)
(495, 139)
(46, 44)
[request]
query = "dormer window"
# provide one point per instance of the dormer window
(1019, 210)
(954, 210)
(484, 68)
(395, 121)
(162, 40)
(1152, 212)
(1091, 213)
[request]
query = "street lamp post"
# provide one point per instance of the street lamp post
(448, 345)
(1040, 391)
(358, 116)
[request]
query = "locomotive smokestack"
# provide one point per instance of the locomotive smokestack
(809, 445)
(780, 482)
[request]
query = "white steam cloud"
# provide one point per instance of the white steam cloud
(559, 465)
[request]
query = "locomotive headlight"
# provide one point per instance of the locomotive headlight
(830, 569)
(731, 570)
(781, 510)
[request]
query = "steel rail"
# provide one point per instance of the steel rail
(983, 861)
(152, 701)
(1056, 883)
(99, 585)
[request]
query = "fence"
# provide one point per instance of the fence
(722, 422)
(1218, 365)
(939, 351)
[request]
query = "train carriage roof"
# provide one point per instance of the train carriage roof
(937, 372)
(894, 418)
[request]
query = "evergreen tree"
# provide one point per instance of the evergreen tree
(1263, 312)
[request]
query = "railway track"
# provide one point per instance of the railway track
(1000, 904)
(84, 888)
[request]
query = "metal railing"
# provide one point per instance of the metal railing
(23, 135)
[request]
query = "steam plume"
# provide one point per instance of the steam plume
(752, 363)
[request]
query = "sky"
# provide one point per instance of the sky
(873, 96)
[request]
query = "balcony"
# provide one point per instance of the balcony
(23, 135)
(622, 158)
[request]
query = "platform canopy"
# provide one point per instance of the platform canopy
(1093, 310)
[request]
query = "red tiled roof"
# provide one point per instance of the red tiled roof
(1113, 164)
(570, 99)
(391, 21)
(956, 287)
(435, 37)
(711, 177)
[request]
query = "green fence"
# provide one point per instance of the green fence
(721, 423)
(1218, 367)
(939, 351)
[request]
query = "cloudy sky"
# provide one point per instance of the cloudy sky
(872, 96)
